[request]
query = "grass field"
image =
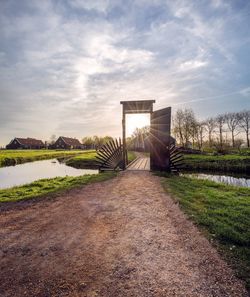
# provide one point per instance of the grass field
(12, 157)
(131, 156)
(88, 160)
(47, 186)
(222, 211)
(83, 159)
(224, 163)
(80, 158)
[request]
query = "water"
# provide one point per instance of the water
(30, 172)
(226, 179)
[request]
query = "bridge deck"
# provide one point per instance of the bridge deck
(141, 163)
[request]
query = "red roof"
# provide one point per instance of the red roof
(71, 141)
(30, 141)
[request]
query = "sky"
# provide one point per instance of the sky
(65, 65)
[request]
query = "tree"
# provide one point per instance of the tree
(220, 120)
(193, 129)
(52, 139)
(244, 122)
(137, 139)
(189, 124)
(95, 142)
(200, 134)
(107, 139)
(238, 143)
(88, 142)
(232, 121)
(184, 126)
(210, 125)
(178, 126)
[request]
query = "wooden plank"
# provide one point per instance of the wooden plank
(138, 106)
(110, 155)
(140, 164)
(160, 139)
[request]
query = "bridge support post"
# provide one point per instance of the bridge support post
(124, 146)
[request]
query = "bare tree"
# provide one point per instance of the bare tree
(220, 120)
(210, 125)
(95, 142)
(107, 139)
(88, 142)
(185, 127)
(189, 121)
(200, 134)
(232, 121)
(238, 143)
(244, 122)
(52, 139)
(138, 138)
(178, 126)
(193, 129)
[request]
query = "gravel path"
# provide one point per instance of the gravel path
(122, 237)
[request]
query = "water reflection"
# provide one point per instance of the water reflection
(26, 173)
(226, 179)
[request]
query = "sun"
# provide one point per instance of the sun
(134, 121)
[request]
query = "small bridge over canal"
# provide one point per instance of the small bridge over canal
(163, 154)
(140, 163)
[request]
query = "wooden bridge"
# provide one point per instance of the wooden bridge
(110, 157)
(140, 163)
(164, 156)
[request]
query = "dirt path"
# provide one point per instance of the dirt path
(123, 237)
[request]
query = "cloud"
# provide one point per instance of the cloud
(192, 64)
(65, 65)
(245, 92)
(99, 5)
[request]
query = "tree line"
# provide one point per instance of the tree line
(95, 142)
(89, 142)
(220, 132)
(224, 130)
(138, 139)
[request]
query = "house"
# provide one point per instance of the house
(67, 143)
(25, 143)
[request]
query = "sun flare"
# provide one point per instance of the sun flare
(134, 121)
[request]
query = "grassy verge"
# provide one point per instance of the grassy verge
(13, 157)
(226, 163)
(46, 186)
(88, 160)
(131, 156)
(222, 211)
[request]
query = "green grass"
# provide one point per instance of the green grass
(222, 211)
(47, 186)
(131, 156)
(224, 163)
(12, 157)
(88, 160)
(243, 151)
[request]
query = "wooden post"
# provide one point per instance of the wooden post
(160, 139)
(138, 106)
(150, 139)
(124, 151)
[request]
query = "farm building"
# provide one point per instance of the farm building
(25, 143)
(67, 143)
